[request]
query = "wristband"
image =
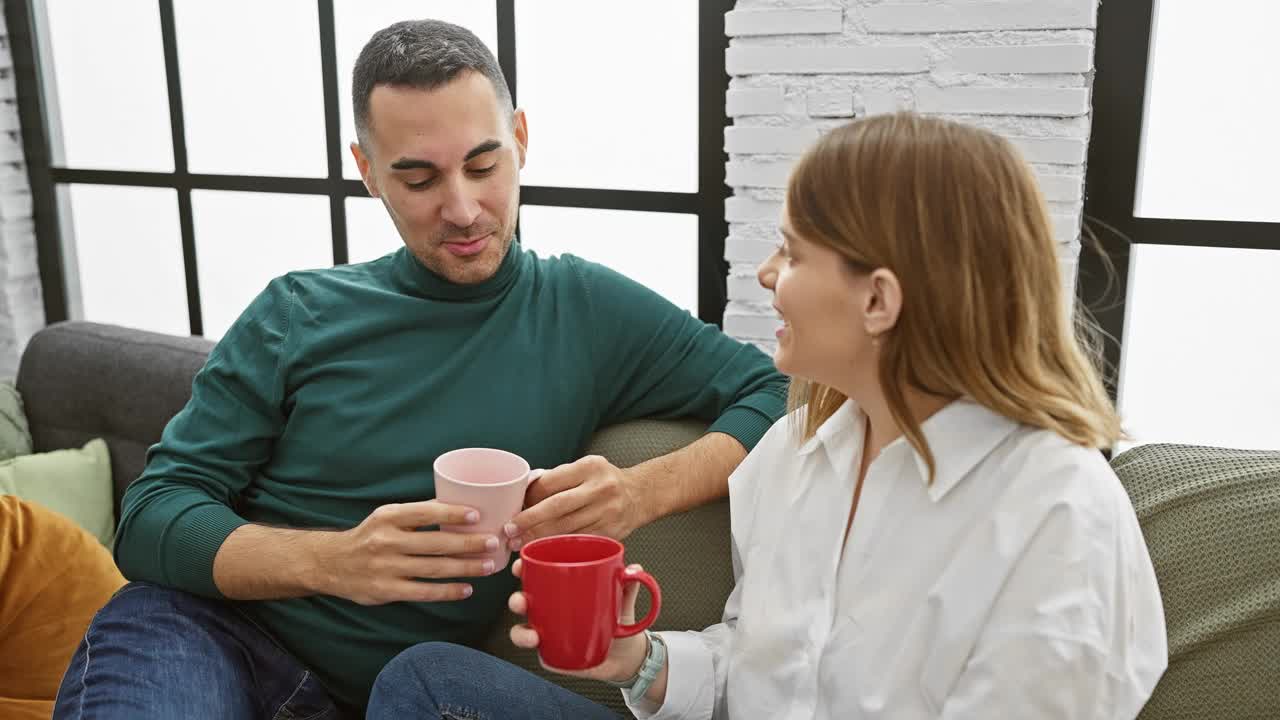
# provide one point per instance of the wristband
(631, 681)
(653, 663)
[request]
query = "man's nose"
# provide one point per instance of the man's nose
(459, 207)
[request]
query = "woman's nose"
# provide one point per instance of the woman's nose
(766, 274)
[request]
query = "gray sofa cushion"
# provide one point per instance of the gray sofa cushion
(83, 380)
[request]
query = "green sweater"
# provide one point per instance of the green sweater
(336, 390)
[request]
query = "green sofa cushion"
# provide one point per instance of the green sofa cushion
(1211, 518)
(15, 436)
(75, 483)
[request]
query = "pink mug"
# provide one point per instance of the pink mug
(492, 482)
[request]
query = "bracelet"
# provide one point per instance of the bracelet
(653, 663)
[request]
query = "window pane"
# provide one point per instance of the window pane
(659, 250)
(611, 91)
(370, 232)
(121, 234)
(243, 240)
(357, 20)
(109, 85)
(251, 91)
(1207, 150)
(1200, 347)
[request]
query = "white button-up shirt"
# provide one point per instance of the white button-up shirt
(1017, 585)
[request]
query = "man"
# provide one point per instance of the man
(281, 529)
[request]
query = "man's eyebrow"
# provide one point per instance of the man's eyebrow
(482, 148)
(415, 164)
(412, 164)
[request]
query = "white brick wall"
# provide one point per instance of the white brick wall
(21, 305)
(1022, 68)
(951, 16)
(784, 21)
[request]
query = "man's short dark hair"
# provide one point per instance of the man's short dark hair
(423, 54)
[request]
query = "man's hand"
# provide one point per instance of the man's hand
(589, 496)
(379, 560)
(592, 496)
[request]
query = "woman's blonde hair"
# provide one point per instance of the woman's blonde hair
(957, 215)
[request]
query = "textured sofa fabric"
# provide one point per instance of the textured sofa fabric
(1211, 518)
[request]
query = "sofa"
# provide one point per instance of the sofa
(1211, 516)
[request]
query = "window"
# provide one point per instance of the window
(1204, 119)
(252, 94)
(157, 147)
(1201, 343)
(149, 218)
(623, 239)
(1180, 166)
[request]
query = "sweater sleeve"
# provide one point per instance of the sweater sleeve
(653, 359)
(175, 517)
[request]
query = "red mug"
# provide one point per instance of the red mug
(573, 586)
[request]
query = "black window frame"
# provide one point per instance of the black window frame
(707, 203)
(1122, 59)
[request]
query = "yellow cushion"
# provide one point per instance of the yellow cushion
(53, 577)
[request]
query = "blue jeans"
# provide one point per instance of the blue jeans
(155, 652)
(439, 681)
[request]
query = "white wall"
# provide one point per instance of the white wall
(1022, 68)
(21, 305)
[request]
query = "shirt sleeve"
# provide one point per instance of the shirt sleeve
(654, 359)
(1077, 631)
(697, 667)
(175, 517)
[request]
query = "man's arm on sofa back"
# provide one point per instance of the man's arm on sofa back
(175, 517)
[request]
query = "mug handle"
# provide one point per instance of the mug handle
(655, 602)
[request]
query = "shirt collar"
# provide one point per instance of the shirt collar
(841, 436)
(960, 436)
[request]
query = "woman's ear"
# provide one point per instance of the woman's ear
(883, 301)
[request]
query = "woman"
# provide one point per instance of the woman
(932, 531)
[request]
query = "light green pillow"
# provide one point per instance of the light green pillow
(76, 483)
(15, 436)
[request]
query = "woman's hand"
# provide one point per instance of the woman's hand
(626, 655)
